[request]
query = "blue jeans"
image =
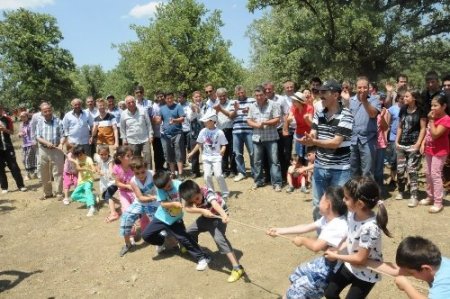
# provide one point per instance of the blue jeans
(362, 158)
(323, 178)
(270, 148)
(239, 139)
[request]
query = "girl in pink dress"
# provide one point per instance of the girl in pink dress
(123, 173)
(436, 149)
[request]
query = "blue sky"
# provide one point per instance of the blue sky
(90, 27)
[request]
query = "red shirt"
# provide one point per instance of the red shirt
(302, 126)
(439, 146)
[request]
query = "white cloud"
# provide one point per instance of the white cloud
(13, 4)
(145, 10)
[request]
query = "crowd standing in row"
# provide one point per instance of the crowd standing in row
(339, 138)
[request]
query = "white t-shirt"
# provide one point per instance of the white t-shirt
(212, 140)
(365, 234)
(106, 179)
(146, 188)
(333, 232)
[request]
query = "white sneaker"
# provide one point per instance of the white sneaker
(160, 249)
(23, 189)
(399, 196)
(66, 201)
(91, 211)
(239, 177)
(4, 191)
(202, 264)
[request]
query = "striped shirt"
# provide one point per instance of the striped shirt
(340, 124)
(240, 121)
(51, 131)
(105, 129)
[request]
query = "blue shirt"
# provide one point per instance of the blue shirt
(174, 111)
(395, 113)
(78, 128)
(440, 288)
(169, 216)
(364, 127)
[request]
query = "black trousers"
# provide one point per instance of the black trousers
(152, 235)
(284, 152)
(342, 278)
(158, 154)
(8, 158)
(228, 159)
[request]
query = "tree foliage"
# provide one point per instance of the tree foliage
(33, 66)
(120, 81)
(299, 38)
(181, 49)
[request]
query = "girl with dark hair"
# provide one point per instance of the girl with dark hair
(410, 134)
(361, 196)
(436, 148)
(310, 279)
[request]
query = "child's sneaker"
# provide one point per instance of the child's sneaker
(435, 209)
(426, 202)
(125, 249)
(160, 249)
(91, 211)
(236, 274)
(66, 201)
(290, 189)
(202, 264)
(304, 190)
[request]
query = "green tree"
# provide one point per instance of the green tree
(181, 49)
(298, 39)
(120, 81)
(91, 79)
(33, 66)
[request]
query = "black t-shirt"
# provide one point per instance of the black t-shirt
(410, 124)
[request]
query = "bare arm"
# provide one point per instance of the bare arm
(141, 197)
(297, 229)
(358, 258)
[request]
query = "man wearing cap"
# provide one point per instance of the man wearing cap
(172, 115)
(146, 105)
(264, 117)
(331, 134)
(365, 109)
(225, 123)
(135, 127)
(77, 126)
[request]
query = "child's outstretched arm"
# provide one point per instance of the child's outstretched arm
(358, 258)
(298, 229)
(386, 267)
(219, 210)
(190, 208)
(315, 245)
(194, 150)
(141, 197)
(405, 285)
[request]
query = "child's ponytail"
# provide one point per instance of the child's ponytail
(382, 218)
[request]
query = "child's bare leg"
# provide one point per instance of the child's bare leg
(233, 260)
(303, 181)
(112, 211)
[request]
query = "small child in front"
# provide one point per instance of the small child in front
(420, 258)
(310, 279)
(213, 219)
(213, 142)
(83, 191)
(70, 174)
(168, 220)
(144, 204)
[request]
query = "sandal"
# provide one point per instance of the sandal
(111, 218)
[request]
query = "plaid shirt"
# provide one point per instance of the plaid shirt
(269, 111)
(51, 131)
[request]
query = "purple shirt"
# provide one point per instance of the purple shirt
(25, 129)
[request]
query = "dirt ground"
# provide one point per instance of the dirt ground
(48, 250)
